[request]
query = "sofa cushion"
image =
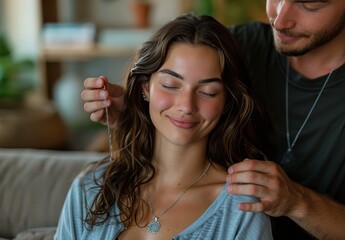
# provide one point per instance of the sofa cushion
(37, 234)
(33, 186)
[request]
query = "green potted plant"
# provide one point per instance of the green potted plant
(13, 83)
(239, 11)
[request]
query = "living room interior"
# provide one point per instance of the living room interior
(47, 49)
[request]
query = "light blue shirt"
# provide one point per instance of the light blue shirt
(222, 220)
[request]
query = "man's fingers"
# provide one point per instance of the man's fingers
(95, 82)
(258, 191)
(247, 177)
(251, 207)
(249, 165)
(94, 95)
(265, 167)
(97, 116)
(94, 106)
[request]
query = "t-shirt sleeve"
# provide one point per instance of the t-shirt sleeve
(249, 225)
(71, 224)
(255, 226)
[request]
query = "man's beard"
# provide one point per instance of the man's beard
(318, 40)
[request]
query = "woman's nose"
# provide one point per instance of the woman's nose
(186, 102)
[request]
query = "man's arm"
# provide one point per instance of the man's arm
(280, 196)
(322, 217)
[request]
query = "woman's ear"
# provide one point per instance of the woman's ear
(146, 91)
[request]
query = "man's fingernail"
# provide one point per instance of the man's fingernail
(99, 81)
(102, 94)
(229, 189)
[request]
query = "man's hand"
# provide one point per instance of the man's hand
(96, 99)
(280, 196)
(267, 181)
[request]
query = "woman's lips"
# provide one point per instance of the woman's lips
(181, 123)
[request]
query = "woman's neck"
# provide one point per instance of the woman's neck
(177, 164)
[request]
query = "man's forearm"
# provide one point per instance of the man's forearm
(320, 216)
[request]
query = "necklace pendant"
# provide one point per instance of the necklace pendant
(154, 226)
(288, 157)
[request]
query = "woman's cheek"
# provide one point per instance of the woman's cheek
(212, 109)
(161, 100)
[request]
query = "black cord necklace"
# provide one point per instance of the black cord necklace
(289, 156)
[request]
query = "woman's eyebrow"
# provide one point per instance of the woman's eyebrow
(172, 73)
(312, 1)
(176, 75)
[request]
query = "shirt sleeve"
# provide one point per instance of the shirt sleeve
(255, 226)
(247, 225)
(71, 224)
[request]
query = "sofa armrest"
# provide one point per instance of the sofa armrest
(34, 184)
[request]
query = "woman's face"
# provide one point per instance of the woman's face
(186, 95)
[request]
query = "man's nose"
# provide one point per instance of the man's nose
(285, 16)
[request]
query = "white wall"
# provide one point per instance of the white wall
(22, 26)
(1, 17)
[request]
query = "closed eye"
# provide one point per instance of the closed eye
(313, 5)
(208, 94)
(169, 87)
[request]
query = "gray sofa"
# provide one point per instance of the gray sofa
(33, 186)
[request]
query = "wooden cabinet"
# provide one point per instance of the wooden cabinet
(51, 58)
(107, 15)
(110, 17)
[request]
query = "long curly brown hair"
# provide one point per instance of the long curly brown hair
(238, 134)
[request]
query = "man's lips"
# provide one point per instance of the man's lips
(284, 38)
(182, 123)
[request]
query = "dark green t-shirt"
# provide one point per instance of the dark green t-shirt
(319, 152)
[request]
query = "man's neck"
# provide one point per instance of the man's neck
(322, 60)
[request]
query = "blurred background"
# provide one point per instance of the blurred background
(48, 48)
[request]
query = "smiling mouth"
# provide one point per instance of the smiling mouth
(183, 123)
(286, 38)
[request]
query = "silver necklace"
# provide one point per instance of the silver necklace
(108, 128)
(154, 226)
(288, 156)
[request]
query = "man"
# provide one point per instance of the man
(299, 73)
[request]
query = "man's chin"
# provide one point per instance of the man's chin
(290, 51)
(289, 48)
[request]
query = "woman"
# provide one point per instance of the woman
(189, 115)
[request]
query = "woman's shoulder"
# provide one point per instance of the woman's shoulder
(224, 212)
(88, 179)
